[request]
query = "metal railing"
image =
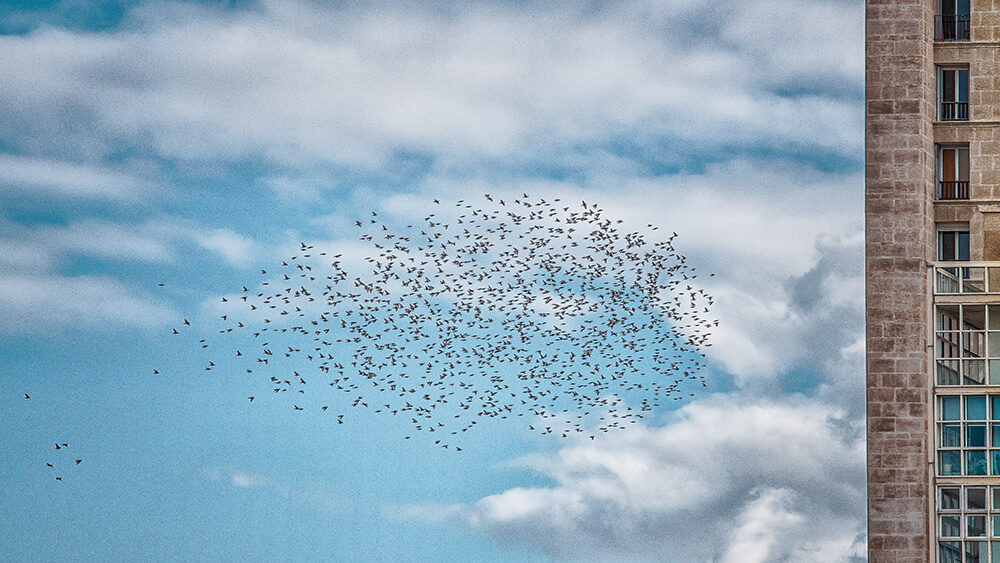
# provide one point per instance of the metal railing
(951, 28)
(954, 111)
(950, 189)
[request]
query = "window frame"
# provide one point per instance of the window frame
(957, 112)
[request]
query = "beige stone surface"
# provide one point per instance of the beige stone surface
(899, 214)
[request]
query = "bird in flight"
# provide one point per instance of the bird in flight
(528, 307)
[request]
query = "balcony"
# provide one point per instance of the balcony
(965, 278)
(948, 189)
(954, 111)
(951, 28)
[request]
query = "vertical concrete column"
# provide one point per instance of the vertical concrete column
(899, 159)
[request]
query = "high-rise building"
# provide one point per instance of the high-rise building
(932, 174)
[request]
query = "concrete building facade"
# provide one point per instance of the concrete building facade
(932, 182)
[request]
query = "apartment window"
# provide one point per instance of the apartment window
(968, 523)
(952, 172)
(967, 345)
(953, 242)
(968, 440)
(953, 92)
(952, 21)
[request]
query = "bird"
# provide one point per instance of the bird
(528, 307)
(78, 461)
(26, 396)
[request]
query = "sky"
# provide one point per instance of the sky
(155, 156)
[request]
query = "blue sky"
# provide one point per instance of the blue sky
(192, 144)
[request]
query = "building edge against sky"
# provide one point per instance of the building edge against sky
(932, 225)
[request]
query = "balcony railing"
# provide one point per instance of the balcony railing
(952, 278)
(951, 28)
(954, 111)
(948, 189)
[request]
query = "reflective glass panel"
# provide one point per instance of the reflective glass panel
(975, 526)
(948, 374)
(994, 370)
(950, 463)
(950, 498)
(973, 317)
(950, 408)
(951, 526)
(975, 408)
(975, 436)
(975, 552)
(947, 317)
(950, 552)
(995, 457)
(975, 374)
(947, 280)
(948, 345)
(951, 435)
(975, 498)
(975, 463)
(996, 526)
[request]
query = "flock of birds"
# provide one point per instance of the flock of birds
(522, 308)
(59, 447)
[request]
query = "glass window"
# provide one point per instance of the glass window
(953, 242)
(975, 462)
(953, 90)
(953, 183)
(963, 530)
(975, 408)
(975, 498)
(975, 436)
(950, 408)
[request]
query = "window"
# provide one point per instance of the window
(967, 345)
(952, 21)
(952, 172)
(953, 91)
(968, 522)
(953, 242)
(963, 434)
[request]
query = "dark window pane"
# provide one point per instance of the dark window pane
(976, 436)
(975, 498)
(951, 526)
(946, 251)
(948, 85)
(950, 552)
(950, 498)
(975, 464)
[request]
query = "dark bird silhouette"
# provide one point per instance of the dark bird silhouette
(528, 308)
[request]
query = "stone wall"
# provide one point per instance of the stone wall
(899, 165)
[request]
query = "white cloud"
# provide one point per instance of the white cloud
(768, 481)
(316, 495)
(235, 248)
(301, 84)
(42, 301)
(70, 179)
